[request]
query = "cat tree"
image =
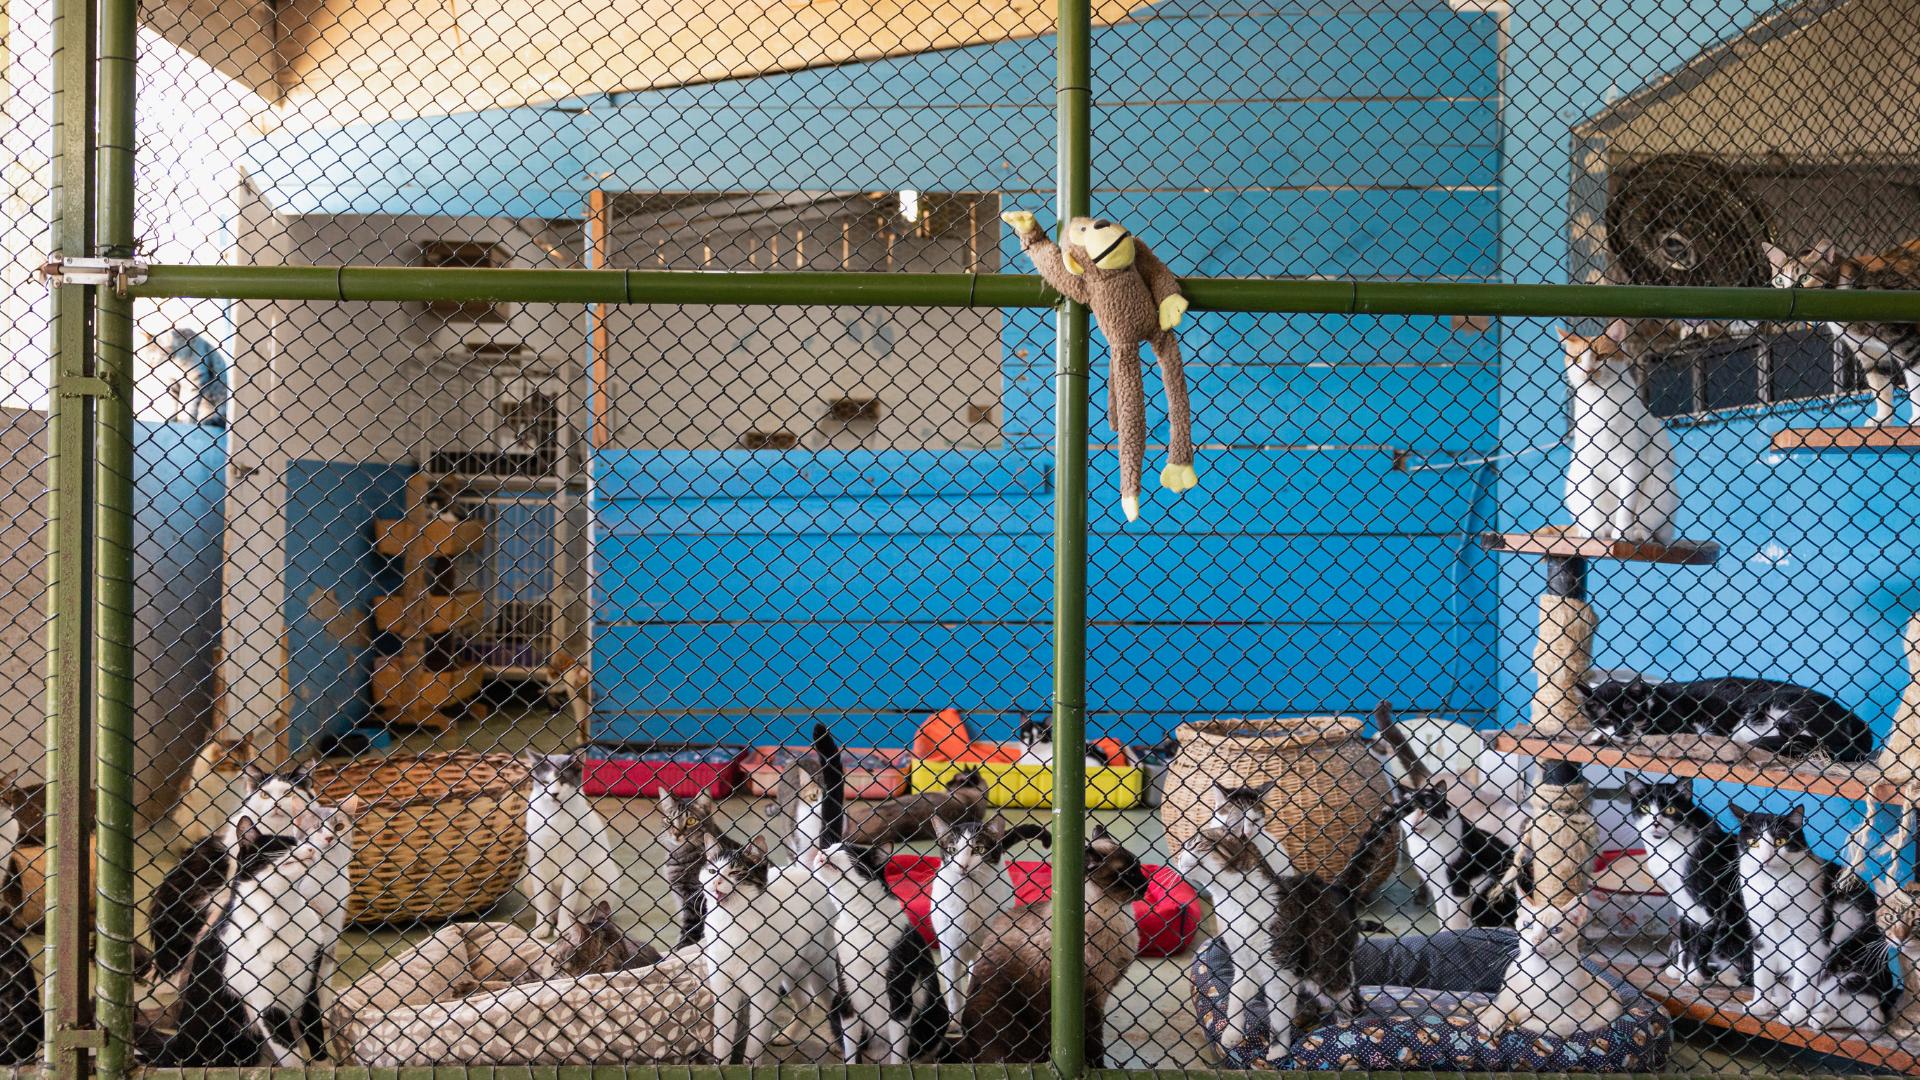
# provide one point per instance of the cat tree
(1560, 833)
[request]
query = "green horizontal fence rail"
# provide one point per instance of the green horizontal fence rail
(1331, 296)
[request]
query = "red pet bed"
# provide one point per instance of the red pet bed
(1169, 917)
(683, 771)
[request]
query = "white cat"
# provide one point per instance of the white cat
(570, 850)
(1620, 483)
(1547, 987)
(221, 776)
(766, 932)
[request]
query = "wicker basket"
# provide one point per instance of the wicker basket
(435, 835)
(1328, 787)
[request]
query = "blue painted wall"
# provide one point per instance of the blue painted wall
(740, 592)
(332, 577)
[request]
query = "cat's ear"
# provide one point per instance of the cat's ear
(668, 804)
(1796, 817)
(1824, 251)
(602, 912)
(941, 827)
(1566, 335)
(1777, 256)
(1618, 331)
(1637, 787)
(245, 830)
(1097, 831)
(1220, 794)
(256, 774)
(754, 851)
(703, 804)
(995, 829)
(1262, 791)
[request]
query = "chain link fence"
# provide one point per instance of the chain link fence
(650, 649)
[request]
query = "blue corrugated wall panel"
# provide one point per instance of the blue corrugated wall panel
(332, 577)
(738, 592)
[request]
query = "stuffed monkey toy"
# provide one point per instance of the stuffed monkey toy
(1134, 298)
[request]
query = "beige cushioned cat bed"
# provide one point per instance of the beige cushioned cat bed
(452, 1000)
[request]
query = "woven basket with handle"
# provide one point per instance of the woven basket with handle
(1328, 787)
(435, 835)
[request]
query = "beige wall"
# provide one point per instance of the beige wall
(698, 377)
(345, 382)
(1840, 90)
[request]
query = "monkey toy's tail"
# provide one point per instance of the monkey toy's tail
(1127, 412)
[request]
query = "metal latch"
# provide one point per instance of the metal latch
(93, 270)
(80, 1039)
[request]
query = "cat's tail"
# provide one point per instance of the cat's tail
(833, 787)
(1379, 841)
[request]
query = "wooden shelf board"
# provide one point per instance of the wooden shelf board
(1853, 781)
(1725, 1008)
(1888, 438)
(1560, 540)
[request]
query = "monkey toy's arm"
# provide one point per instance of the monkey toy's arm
(1046, 256)
(1161, 284)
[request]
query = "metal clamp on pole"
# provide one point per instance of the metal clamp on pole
(93, 270)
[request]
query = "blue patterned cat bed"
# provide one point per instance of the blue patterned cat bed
(1409, 1028)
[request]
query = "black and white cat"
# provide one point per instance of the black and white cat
(277, 804)
(1460, 864)
(969, 889)
(1036, 744)
(253, 991)
(570, 851)
(1819, 955)
(1778, 717)
(767, 932)
(896, 1012)
(1697, 864)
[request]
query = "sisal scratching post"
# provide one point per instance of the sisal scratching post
(1561, 836)
(1900, 754)
(1561, 659)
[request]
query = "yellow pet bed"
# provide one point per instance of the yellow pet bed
(1109, 787)
(453, 1000)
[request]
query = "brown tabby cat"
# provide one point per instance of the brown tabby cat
(1008, 1013)
(595, 944)
(685, 825)
(1888, 353)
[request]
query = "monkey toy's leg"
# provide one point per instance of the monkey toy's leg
(1179, 474)
(1127, 412)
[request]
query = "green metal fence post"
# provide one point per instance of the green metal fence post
(1070, 568)
(70, 566)
(113, 907)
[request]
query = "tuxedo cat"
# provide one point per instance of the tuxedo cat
(253, 992)
(276, 804)
(570, 850)
(1697, 864)
(1620, 481)
(1777, 717)
(896, 1012)
(1819, 954)
(969, 889)
(1036, 744)
(1008, 1015)
(1460, 864)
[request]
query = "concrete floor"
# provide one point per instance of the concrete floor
(1150, 1019)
